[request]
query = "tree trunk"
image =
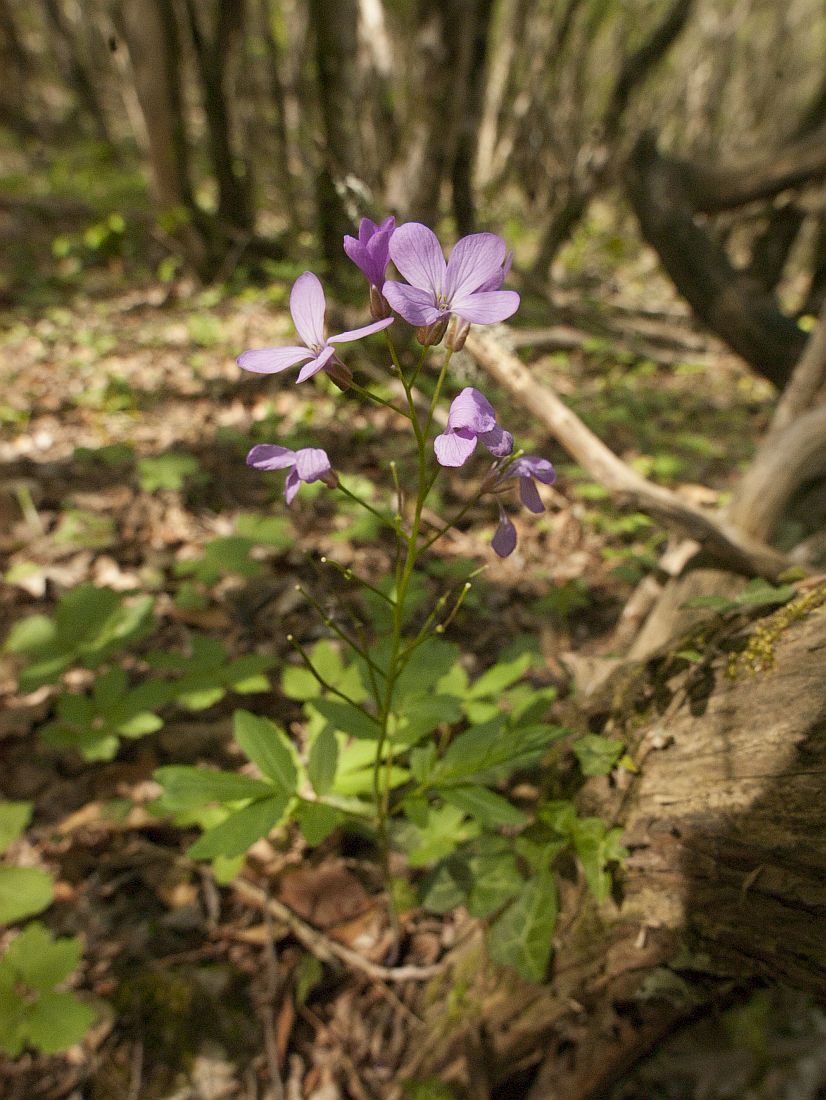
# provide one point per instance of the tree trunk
(464, 203)
(74, 71)
(728, 301)
(212, 53)
(151, 35)
(726, 880)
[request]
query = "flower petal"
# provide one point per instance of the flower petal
(269, 456)
(475, 259)
(309, 369)
(504, 538)
(530, 495)
(367, 229)
(471, 409)
(454, 448)
(495, 282)
(307, 305)
(416, 252)
(291, 485)
(417, 306)
(486, 307)
(311, 463)
(498, 442)
(360, 333)
(272, 360)
(533, 466)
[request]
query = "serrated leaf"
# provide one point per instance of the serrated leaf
(490, 809)
(316, 821)
(24, 891)
(14, 817)
(346, 718)
(187, 787)
(241, 829)
(56, 1021)
(522, 937)
(268, 747)
(483, 752)
(500, 676)
(597, 755)
(322, 763)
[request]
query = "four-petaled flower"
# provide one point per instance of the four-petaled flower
(466, 285)
(307, 306)
(308, 464)
(471, 418)
(370, 252)
(529, 469)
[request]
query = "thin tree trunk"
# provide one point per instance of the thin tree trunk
(279, 108)
(74, 71)
(464, 203)
(212, 52)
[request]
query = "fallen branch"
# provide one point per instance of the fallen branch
(720, 539)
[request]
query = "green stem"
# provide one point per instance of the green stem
(368, 507)
(362, 391)
(299, 648)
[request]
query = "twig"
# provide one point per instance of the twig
(327, 950)
(720, 539)
(808, 377)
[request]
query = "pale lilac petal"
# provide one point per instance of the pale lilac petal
(498, 442)
(471, 409)
(530, 495)
(454, 448)
(475, 259)
(307, 305)
(269, 456)
(533, 466)
(377, 251)
(417, 306)
(417, 254)
(311, 463)
(291, 485)
(504, 538)
(272, 360)
(357, 252)
(486, 307)
(309, 369)
(495, 282)
(360, 333)
(367, 229)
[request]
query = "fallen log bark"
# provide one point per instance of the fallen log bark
(725, 882)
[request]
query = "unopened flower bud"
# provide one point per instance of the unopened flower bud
(339, 372)
(431, 335)
(457, 333)
(379, 306)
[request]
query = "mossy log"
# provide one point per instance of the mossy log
(725, 882)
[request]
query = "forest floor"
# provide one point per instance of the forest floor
(124, 423)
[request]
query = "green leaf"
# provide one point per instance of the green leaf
(31, 635)
(346, 718)
(316, 821)
(297, 682)
(758, 593)
(423, 714)
(496, 879)
(186, 788)
(24, 891)
(482, 753)
(265, 530)
(167, 471)
(308, 974)
(40, 961)
(268, 747)
(500, 676)
(445, 829)
(241, 829)
(14, 817)
(522, 937)
(596, 846)
(491, 810)
(140, 724)
(447, 885)
(322, 763)
(597, 755)
(56, 1021)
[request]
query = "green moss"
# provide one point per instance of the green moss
(758, 654)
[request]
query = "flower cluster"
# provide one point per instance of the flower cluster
(438, 297)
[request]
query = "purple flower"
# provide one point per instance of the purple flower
(529, 469)
(308, 464)
(307, 306)
(470, 419)
(504, 538)
(466, 285)
(371, 252)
